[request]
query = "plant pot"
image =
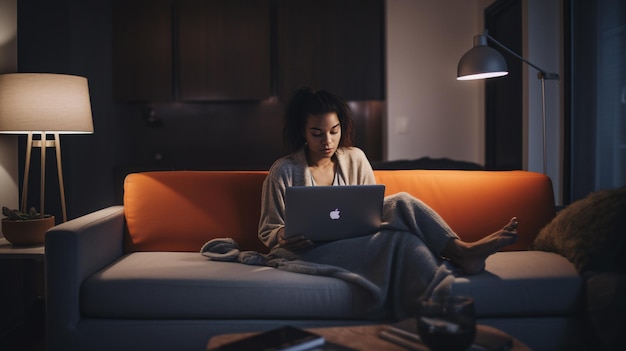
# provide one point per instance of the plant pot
(27, 232)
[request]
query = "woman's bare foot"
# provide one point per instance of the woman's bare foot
(470, 257)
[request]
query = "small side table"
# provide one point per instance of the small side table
(25, 294)
(32, 258)
(8, 251)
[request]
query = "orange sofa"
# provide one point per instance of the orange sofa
(131, 277)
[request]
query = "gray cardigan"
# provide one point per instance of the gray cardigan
(353, 169)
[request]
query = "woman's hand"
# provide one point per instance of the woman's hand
(293, 243)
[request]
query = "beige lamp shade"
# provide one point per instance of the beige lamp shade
(44, 102)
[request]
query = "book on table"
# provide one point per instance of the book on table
(285, 338)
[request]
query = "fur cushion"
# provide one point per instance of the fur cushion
(590, 232)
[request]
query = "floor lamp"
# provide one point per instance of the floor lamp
(483, 62)
(42, 104)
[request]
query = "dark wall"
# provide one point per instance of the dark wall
(75, 37)
(503, 96)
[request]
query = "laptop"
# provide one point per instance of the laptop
(323, 213)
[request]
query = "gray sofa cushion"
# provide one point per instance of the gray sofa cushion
(184, 285)
(176, 285)
(524, 283)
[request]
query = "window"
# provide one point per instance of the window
(597, 95)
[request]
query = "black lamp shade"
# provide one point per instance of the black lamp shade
(481, 62)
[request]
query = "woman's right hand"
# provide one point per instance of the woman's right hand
(294, 243)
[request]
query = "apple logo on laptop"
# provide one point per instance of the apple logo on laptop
(335, 214)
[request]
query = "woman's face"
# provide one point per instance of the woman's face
(322, 134)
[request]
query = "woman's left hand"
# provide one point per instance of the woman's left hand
(293, 243)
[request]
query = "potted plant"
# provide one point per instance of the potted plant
(25, 228)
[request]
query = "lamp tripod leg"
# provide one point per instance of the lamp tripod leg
(543, 126)
(29, 148)
(57, 145)
(43, 174)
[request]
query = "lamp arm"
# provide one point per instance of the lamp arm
(543, 74)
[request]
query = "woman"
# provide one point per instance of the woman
(319, 129)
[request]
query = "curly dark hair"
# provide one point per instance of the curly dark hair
(305, 102)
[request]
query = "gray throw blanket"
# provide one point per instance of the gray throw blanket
(396, 265)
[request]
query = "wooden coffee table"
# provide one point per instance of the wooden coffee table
(362, 337)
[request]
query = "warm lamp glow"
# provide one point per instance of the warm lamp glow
(483, 75)
(481, 62)
(42, 102)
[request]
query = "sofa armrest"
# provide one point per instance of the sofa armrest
(75, 250)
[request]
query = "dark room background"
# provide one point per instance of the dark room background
(147, 62)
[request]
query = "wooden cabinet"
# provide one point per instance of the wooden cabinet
(331, 44)
(142, 50)
(224, 50)
(238, 50)
(190, 50)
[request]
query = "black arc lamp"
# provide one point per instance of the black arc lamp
(483, 61)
